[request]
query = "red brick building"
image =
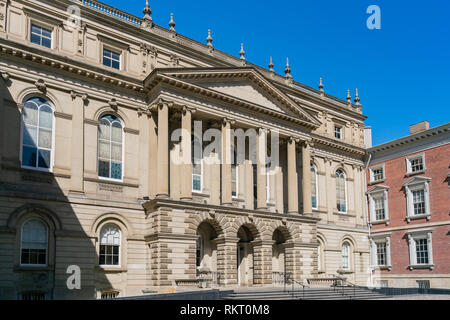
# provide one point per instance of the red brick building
(408, 197)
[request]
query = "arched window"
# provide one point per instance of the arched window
(314, 192)
(341, 195)
(37, 134)
(199, 251)
(110, 241)
(110, 151)
(346, 256)
(34, 243)
(197, 165)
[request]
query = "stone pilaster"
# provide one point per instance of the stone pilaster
(186, 147)
(226, 162)
(261, 174)
(262, 263)
(306, 178)
(227, 260)
(292, 177)
(77, 166)
(2, 117)
(163, 151)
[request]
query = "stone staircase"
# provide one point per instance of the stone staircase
(325, 293)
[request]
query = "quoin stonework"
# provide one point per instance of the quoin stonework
(408, 199)
(88, 170)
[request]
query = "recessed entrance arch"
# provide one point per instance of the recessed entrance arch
(278, 257)
(245, 257)
(206, 253)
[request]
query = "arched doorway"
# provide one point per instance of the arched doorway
(278, 257)
(206, 252)
(245, 257)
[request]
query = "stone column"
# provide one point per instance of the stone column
(262, 262)
(292, 177)
(261, 174)
(186, 145)
(77, 165)
(3, 82)
(163, 151)
(227, 260)
(226, 162)
(306, 174)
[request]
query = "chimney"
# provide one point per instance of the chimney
(419, 127)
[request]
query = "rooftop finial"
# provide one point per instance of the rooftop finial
(321, 85)
(242, 53)
(357, 99)
(287, 70)
(171, 23)
(271, 65)
(147, 11)
(209, 39)
(349, 97)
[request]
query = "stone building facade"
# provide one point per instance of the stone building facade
(89, 176)
(408, 199)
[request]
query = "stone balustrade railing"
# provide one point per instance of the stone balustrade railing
(111, 11)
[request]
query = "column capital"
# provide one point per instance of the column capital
(147, 111)
(74, 94)
(161, 102)
(5, 76)
(186, 109)
(293, 139)
(225, 121)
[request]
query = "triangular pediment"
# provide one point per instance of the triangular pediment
(416, 180)
(378, 188)
(243, 84)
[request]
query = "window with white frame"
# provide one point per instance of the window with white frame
(381, 252)
(377, 174)
(378, 204)
(314, 187)
(346, 256)
(110, 241)
(268, 175)
(34, 243)
(111, 59)
(338, 132)
(41, 36)
(415, 164)
(197, 165)
(37, 134)
(341, 192)
(234, 175)
(418, 198)
(110, 148)
(420, 249)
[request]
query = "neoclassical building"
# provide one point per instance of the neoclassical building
(89, 178)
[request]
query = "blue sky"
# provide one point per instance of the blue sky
(402, 71)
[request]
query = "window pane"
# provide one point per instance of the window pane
(35, 39)
(104, 150)
(35, 29)
(44, 159)
(103, 169)
(45, 117)
(116, 132)
(46, 42)
(30, 136)
(45, 138)
(116, 171)
(46, 33)
(116, 152)
(115, 56)
(29, 155)
(30, 113)
(115, 65)
(107, 62)
(196, 183)
(104, 130)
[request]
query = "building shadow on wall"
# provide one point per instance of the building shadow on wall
(41, 235)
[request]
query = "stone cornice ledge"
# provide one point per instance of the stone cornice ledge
(154, 204)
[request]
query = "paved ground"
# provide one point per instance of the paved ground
(421, 297)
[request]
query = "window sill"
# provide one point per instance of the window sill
(342, 271)
(386, 221)
(422, 216)
(111, 269)
(421, 266)
(344, 214)
(389, 268)
(409, 174)
(33, 268)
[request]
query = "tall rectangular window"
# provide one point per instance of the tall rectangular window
(379, 208)
(197, 169)
(337, 132)
(41, 36)
(381, 254)
(234, 176)
(111, 59)
(417, 164)
(378, 174)
(419, 202)
(422, 251)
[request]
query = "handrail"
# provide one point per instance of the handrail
(346, 283)
(293, 282)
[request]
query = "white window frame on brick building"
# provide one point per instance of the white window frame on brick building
(374, 194)
(413, 237)
(417, 184)
(410, 167)
(372, 174)
(374, 241)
